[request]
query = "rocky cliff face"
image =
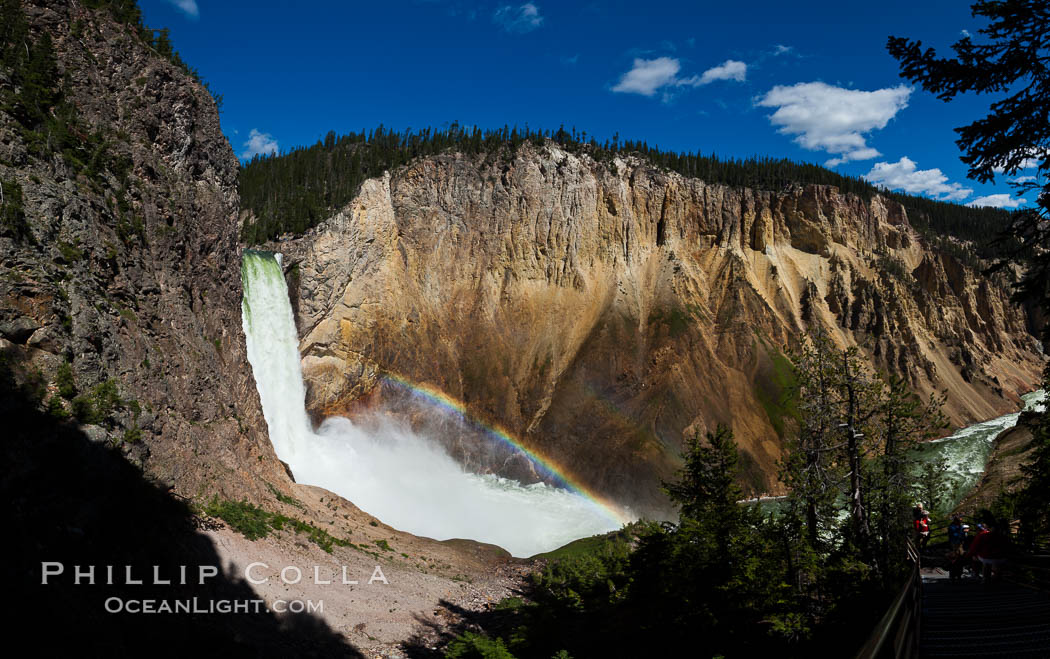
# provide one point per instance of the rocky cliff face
(602, 313)
(133, 277)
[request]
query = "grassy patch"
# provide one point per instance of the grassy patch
(676, 320)
(586, 546)
(254, 522)
(774, 390)
(247, 519)
(284, 498)
(127, 314)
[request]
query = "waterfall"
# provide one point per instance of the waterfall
(273, 352)
(382, 466)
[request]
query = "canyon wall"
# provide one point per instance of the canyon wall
(603, 312)
(130, 267)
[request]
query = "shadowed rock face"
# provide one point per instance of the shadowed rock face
(136, 278)
(602, 313)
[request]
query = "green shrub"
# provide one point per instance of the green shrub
(84, 410)
(70, 253)
(132, 435)
(94, 408)
(56, 409)
(510, 604)
(476, 646)
(12, 212)
(35, 386)
(106, 398)
(67, 388)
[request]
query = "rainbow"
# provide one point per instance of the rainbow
(431, 394)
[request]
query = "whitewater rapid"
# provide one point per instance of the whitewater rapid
(967, 450)
(383, 467)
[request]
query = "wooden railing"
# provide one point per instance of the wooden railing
(897, 634)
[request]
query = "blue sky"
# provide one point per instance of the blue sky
(809, 81)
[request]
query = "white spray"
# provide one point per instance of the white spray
(387, 470)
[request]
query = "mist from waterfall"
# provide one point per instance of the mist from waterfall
(406, 480)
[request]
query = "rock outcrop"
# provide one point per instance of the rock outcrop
(601, 313)
(131, 273)
(1002, 472)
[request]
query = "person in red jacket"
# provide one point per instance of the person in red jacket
(922, 526)
(991, 547)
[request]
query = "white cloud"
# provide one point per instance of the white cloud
(833, 119)
(648, 75)
(781, 49)
(728, 70)
(965, 33)
(259, 144)
(187, 6)
(1027, 163)
(998, 201)
(903, 175)
(1024, 179)
(524, 18)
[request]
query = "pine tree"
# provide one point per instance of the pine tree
(14, 34)
(39, 82)
(809, 468)
(707, 488)
(903, 421)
